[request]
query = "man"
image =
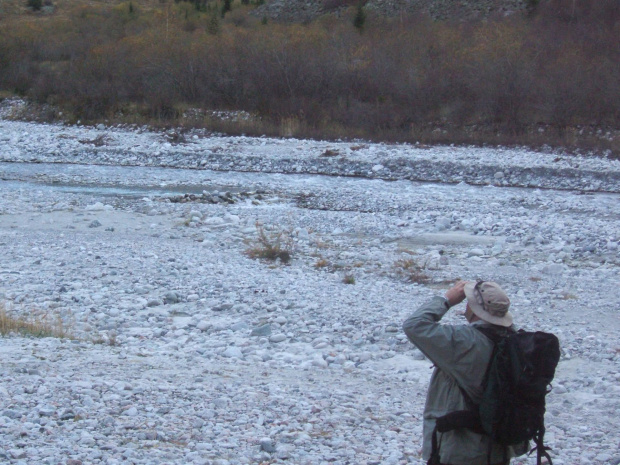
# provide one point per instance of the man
(461, 354)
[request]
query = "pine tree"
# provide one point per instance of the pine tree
(213, 26)
(360, 17)
(226, 7)
(35, 4)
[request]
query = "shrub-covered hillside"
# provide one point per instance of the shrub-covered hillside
(545, 74)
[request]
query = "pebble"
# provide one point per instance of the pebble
(267, 445)
(233, 352)
(277, 338)
(264, 330)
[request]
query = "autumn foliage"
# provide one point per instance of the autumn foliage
(554, 69)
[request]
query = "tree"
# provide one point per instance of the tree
(360, 17)
(226, 7)
(35, 4)
(213, 26)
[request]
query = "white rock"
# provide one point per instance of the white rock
(553, 269)
(233, 352)
(131, 412)
(203, 325)
(277, 338)
(98, 206)
(319, 362)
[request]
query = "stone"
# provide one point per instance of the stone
(441, 224)
(233, 352)
(476, 252)
(171, 298)
(261, 331)
(320, 362)
(46, 411)
(12, 414)
(203, 325)
(241, 326)
(131, 412)
(267, 445)
(277, 338)
(553, 269)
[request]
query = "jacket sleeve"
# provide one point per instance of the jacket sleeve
(445, 345)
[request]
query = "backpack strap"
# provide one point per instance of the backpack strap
(496, 334)
(541, 449)
(434, 459)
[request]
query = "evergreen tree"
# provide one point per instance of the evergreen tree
(35, 4)
(213, 26)
(360, 17)
(226, 7)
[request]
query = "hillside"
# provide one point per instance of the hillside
(489, 74)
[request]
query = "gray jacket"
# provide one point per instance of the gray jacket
(461, 354)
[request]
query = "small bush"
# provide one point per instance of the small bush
(98, 141)
(321, 263)
(411, 271)
(107, 339)
(274, 246)
(349, 279)
(37, 325)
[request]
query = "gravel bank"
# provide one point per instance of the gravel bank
(189, 351)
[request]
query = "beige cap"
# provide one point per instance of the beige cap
(489, 302)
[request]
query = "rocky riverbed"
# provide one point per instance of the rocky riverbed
(187, 350)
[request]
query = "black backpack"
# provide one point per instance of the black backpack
(516, 382)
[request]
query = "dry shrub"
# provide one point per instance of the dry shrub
(37, 324)
(411, 270)
(273, 246)
(98, 141)
(321, 263)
